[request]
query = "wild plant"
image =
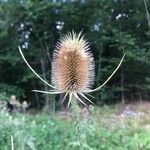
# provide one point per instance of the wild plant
(73, 73)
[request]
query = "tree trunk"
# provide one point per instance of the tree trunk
(147, 13)
(122, 87)
(52, 102)
(47, 104)
(99, 68)
(36, 95)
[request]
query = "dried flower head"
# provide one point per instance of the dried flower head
(73, 64)
(72, 68)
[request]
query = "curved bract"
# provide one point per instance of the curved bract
(72, 68)
(98, 88)
(33, 69)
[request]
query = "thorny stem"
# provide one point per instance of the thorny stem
(76, 115)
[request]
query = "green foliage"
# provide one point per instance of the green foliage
(112, 28)
(3, 96)
(52, 132)
(9, 90)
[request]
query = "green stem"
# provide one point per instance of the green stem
(76, 114)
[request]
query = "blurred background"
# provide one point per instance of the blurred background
(113, 27)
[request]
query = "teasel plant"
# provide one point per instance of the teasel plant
(73, 73)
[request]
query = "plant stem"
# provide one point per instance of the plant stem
(76, 114)
(12, 143)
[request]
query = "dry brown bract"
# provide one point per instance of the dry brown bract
(73, 64)
(72, 68)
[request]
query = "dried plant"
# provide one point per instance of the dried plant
(72, 68)
(73, 74)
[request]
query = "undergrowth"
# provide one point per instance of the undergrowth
(43, 132)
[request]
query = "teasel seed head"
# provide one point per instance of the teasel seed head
(73, 64)
(72, 68)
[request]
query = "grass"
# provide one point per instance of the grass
(107, 128)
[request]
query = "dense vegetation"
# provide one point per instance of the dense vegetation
(113, 27)
(105, 130)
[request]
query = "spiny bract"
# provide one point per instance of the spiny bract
(73, 64)
(72, 68)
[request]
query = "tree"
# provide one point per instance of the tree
(112, 28)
